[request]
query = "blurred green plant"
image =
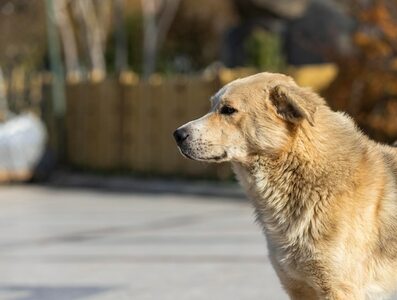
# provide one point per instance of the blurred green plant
(133, 30)
(264, 51)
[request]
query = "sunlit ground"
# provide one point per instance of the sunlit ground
(67, 243)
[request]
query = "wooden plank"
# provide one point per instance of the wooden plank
(137, 127)
(153, 131)
(76, 124)
(130, 130)
(71, 125)
(108, 125)
(88, 123)
(142, 128)
(151, 94)
(83, 120)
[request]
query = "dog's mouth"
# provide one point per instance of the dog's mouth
(188, 154)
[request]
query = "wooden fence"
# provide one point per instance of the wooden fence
(128, 126)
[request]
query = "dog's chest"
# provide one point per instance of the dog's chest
(278, 203)
(292, 260)
(285, 218)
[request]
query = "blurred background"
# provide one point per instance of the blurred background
(90, 93)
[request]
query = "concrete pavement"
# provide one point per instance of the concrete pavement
(62, 243)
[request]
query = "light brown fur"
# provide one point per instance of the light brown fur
(324, 194)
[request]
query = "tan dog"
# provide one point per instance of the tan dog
(325, 195)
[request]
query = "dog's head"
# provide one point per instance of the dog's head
(254, 115)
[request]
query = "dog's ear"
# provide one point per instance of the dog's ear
(290, 105)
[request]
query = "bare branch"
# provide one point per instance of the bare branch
(121, 39)
(94, 38)
(157, 18)
(68, 40)
(166, 18)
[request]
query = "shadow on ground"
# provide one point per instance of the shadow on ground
(120, 184)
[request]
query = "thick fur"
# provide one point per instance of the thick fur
(324, 194)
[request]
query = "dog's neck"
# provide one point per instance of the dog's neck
(284, 197)
(292, 191)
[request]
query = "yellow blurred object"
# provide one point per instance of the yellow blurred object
(227, 75)
(128, 77)
(97, 75)
(20, 176)
(317, 77)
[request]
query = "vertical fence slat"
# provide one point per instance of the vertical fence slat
(153, 117)
(144, 127)
(78, 99)
(130, 129)
(108, 130)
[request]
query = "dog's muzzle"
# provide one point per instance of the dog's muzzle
(188, 147)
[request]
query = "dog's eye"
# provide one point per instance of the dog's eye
(227, 110)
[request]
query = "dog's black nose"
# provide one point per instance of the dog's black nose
(180, 135)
